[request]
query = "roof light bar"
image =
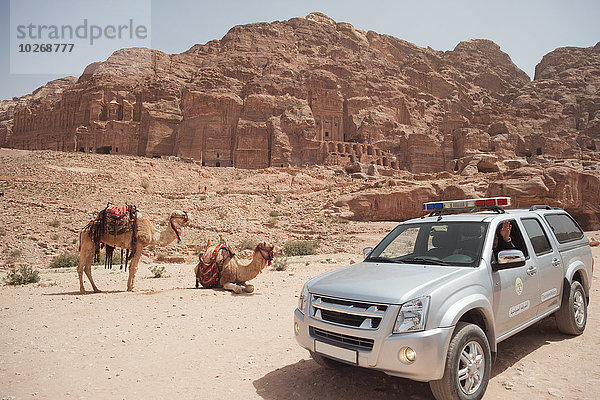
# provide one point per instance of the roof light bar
(468, 204)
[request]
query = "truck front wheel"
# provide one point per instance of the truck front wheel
(571, 317)
(468, 365)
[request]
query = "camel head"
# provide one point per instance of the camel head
(266, 251)
(177, 220)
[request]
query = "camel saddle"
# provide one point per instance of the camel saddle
(208, 270)
(117, 220)
(114, 221)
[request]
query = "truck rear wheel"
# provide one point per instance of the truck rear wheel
(327, 362)
(468, 365)
(571, 317)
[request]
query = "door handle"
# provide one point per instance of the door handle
(555, 262)
(531, 270)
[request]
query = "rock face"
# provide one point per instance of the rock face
(556, 185)
(312, 90)
(50, 92)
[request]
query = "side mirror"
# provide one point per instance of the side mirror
(509, 259)
(367, 251)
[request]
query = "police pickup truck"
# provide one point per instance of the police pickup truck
(434, 298)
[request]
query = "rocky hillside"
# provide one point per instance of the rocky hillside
(49, 93)
(48, 197)
(271, 94)
(311, 91)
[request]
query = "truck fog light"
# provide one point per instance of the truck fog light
(407, 355)
(296, 328)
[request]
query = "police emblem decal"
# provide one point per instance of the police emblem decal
(519, 286)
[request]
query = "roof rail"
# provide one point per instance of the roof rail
(542, 207)
(496, 209)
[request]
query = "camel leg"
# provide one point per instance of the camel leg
(80, 268)
(133, 266)
(247, 287)
(233, 287)
(88, 272)
(85, 262)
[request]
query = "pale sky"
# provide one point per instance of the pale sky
(524, 29)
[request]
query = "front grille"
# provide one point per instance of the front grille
(343, 319)
(338, 338)
(347, 312)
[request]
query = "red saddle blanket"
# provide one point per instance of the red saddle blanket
(208, 270)
(116, 211)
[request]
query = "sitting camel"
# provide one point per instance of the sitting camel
(230, 273)
(146, 235)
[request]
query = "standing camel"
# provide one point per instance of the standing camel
(231, 273)
(146, 235)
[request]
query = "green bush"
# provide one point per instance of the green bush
(158, 271)
(300, 247)
(273, 213)
(65, 260)
(247, 244)
(55, 223)
(278, 199)
(280, 264)
(202, 197)
(22, 276)
(145, 184)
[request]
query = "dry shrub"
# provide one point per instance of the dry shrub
(22, 276)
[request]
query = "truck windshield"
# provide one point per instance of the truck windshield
(434, 243)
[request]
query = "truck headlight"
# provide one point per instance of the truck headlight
(412, 316)
(303, 299)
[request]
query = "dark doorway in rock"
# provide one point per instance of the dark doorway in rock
(104, 150)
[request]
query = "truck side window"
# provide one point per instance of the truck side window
(517, 241)
(564, 228)
(539, 240)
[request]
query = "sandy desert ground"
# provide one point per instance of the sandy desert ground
(170, 340)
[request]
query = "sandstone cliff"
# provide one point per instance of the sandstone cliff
(311, 90)
(276, 93)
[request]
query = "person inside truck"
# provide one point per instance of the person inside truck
(504, 241)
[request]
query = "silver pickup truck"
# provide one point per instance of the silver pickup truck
(434, 298)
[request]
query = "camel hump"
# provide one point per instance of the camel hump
(210, 252)
(208, 270)
(216, 253)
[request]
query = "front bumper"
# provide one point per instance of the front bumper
(430, 347)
